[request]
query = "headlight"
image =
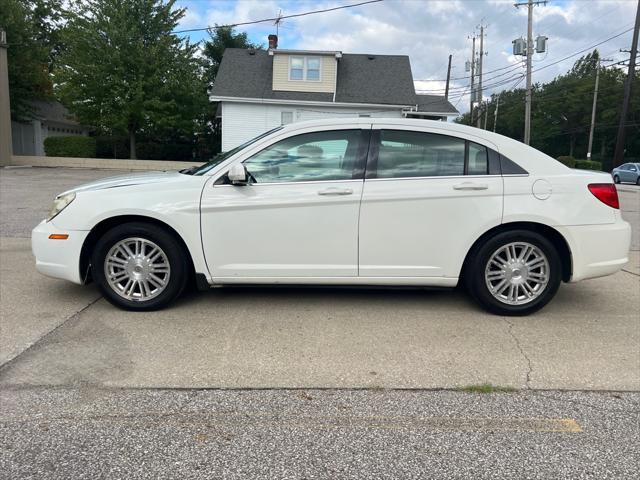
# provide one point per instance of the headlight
(60, 203)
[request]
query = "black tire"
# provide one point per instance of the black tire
(179, 265)
(616, 179)
(475, 273)
(638, 181)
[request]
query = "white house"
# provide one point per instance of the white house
(50, 119)
(258, 90)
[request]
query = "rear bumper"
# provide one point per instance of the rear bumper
(597, 250)
(58, 258)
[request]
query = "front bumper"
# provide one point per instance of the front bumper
(58, 258)
(598, 250)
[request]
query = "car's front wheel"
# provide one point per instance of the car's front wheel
(616, 179)
(514, 273)
(139, 266)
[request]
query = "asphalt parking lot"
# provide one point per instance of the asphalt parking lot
(313, 380)
(64, 334)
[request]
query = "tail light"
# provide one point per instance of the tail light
(606, 193)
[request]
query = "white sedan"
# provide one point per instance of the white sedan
(365, 201)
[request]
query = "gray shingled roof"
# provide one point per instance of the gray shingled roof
(434, 103)
(52, 112)
(251, 76)
(375, 79)
(378, 79)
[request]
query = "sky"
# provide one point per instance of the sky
(428, 31)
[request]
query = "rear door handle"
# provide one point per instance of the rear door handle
(471, 186)
(336, 191)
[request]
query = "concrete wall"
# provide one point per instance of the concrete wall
(243, 121)
(327, 83)
(106, 163)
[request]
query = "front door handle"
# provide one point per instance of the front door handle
(471, 186)
(336, 191)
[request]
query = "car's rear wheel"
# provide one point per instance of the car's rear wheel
(514, 273)
(139, 266)
(616, 179)
(638, 180)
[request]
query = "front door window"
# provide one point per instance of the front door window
(318, 156)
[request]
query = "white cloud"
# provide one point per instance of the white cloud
(428, 31)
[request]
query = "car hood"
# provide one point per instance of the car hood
(127, 180)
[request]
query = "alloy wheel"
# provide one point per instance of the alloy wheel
(137, 269)
(517, 273)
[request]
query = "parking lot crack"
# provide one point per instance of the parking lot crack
(510, 326)
(35, 345)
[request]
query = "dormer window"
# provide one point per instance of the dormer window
(304, 69)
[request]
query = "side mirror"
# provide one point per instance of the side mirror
(238, 174)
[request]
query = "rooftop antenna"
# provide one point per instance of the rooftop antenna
(278, 21)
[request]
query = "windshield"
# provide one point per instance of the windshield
(222, 156)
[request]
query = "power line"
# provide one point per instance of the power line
(513, 66)
(469, 76)
(582, 51)
(498, 83)
(461, 87)
(278, 18)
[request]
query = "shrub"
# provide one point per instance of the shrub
(112, 147)
(588, 165)
(75, 146)
(567, 160)
(163, 151)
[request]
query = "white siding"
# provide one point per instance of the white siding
(243, 121)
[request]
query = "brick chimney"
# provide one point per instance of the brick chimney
(273, 41)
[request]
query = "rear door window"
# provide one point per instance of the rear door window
(404, 154)
(478, 160)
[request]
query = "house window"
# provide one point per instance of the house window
(286, 118)
(313, 69)
(296, 68)
(304, 68)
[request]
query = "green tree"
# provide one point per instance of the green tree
(561, 112)
(123, 71)
(221, 38)
(33, 36)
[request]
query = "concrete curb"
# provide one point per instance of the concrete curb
(102, 163)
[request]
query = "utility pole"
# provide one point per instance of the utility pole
(529, 54)
(593, 108)
(446, 89)
(5, 109)
(486, 114)
(473, 62)
(619, 151)
(495, 114)
(527, 107)
(480, 55)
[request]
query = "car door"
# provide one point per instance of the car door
(632, 173)
(623, 172)
(298, 215)
(427, 197)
